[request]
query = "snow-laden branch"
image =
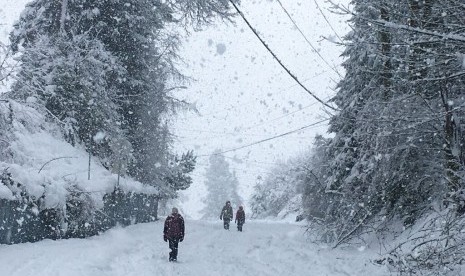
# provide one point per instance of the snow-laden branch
(391, 25)
(398, 26)
(49, 161)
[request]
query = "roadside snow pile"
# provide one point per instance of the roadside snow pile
(36, 156)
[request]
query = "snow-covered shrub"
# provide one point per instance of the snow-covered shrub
(82, 216)
(435, 246)
(125, 208)
(279, 195)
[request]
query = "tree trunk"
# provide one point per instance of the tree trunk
(64, 7)
(452, 165)
(385, 39)
(88, 171)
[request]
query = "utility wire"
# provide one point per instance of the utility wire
(307, 40)
(327, 21)
(279, 118)
(408, 127)
(277, 59)
(268, 121)
(265, 140)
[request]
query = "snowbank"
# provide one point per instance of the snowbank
(46, 165)
(265, 249)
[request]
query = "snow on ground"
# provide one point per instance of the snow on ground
(38, 157)
(264, 248)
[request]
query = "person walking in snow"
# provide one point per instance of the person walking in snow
(240, 218)
(173, 232)
(227, 214)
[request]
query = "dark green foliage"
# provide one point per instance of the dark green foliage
(82, 218)
(129, 208)
(20, 219)
(178, 178)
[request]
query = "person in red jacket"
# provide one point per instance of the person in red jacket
(240, 218)
(174, 232)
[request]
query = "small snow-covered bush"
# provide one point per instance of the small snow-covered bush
(435, 246)
(279, 195)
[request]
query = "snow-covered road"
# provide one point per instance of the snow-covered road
(264, 248)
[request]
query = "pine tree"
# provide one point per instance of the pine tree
(102, 70)
(70, 80)
(222, 185)
(348, 168)
(140, 52)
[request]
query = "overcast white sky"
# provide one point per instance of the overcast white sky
(242, 94)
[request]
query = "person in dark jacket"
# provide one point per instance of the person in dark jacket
(226, 214)
(174, 232)
(240, 218)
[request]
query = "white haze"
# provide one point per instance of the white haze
(242, 94)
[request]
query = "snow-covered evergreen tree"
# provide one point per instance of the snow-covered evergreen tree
(222, 185)
(102, 72)
(71, 80)
(396, 150)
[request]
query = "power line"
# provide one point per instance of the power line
(271, 120)
(327, 21)
(265, 140)
(408, 127)
(381, 119)
(194, 141)
(288, 114)
(279, 118)
(307, 40)
(246, 128)
(277, 59)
